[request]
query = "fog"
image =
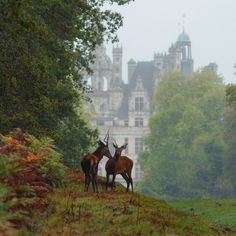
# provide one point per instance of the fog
(152, 25)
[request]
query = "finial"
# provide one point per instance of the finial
(179, 27)
(183, 16)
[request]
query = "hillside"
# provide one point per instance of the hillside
(40, 196)
(70, 211)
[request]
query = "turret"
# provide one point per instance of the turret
(117, 67)
(131, 68)
(184, 44)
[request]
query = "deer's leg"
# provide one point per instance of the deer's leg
(96, 184)
(86, 183)
(130, 180)
(95, 181)
(126, 178)
(113, 181)
(89, 180)
(107, 182)
(93, 178)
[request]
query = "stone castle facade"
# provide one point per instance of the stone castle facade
(125, 108)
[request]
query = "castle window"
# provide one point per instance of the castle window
(139, 104)
(138, 172)
(103, 108)
(126, 123)
(138, 145)
(138, 122)
(126, 150)
(100, 122)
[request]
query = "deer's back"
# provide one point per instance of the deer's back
(120, 165)
(88, 161)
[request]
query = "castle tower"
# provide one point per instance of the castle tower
(131, 68)
(184, 44)
(117, 67)
(102, 69)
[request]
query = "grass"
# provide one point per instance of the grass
(71, 211)
(74, 212)
(218, 212)
(115, 213)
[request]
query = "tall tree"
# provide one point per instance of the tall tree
(45, 45)
(227, 184)
(185, 144)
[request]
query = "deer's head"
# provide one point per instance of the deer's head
(104, 146)
(118, 150)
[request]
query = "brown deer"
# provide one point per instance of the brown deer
(90, 163)
(119, 165)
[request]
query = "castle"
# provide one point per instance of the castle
(125, 108)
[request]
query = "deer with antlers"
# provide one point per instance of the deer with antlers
(119, 165)
(90, 163)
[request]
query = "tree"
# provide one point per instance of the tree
(185, 143)
(45, 46)
(228, 181)
(231, 94)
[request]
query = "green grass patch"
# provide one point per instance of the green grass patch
(218, 212)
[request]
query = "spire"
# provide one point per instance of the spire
(183, 20)
(183, 16)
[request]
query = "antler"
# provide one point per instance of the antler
(114, 143)
(106, 139)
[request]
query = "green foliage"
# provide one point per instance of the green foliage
(45, 48)
(52, 169)
(231, 94)
(38, 145)
(228, 184)
(20, 152)
(5, 215)
(29, 168)
(51, 166)
(77, 134)
(9, 167)
(185, 144)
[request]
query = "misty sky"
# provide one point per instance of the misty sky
(152, 25)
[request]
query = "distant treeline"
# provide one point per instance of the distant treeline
(191, 147)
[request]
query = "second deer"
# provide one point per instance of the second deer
(119, 165)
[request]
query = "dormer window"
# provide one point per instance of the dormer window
(139, 104)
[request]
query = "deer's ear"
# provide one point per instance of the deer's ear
(100, 142)
(125, 146)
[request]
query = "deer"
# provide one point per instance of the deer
(90, 163)
(119, 165)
